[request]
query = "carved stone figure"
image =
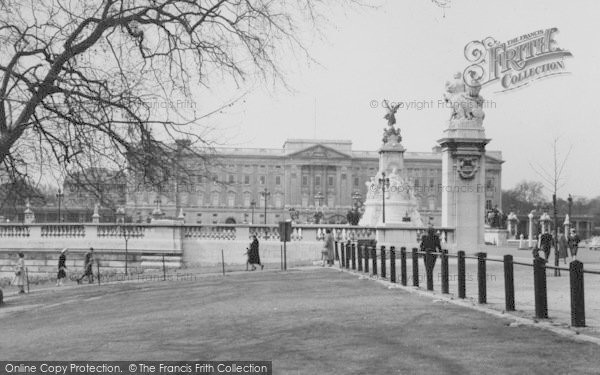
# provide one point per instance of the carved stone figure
(390, 116)
(464, 100)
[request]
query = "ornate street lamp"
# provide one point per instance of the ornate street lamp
(59, 196)
(384, 183)
(570, 201)
(265, 194)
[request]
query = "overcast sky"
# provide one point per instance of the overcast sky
(406, 51)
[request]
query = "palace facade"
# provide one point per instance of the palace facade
(301, 179)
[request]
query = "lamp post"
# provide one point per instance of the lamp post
(355, 211)
(126, 233)
(318, 213)
(59, 196)
(252, 204)
(265, 194)
(570, 201)
(384, 182)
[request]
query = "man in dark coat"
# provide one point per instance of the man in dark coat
(87, 266)
(546, 242)
(430, 241)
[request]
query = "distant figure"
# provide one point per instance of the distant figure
(19, 279)
(573, 243)
(430, 241)
(546, 243)
(62, 267)
(562, 247)
(87, 265)
(327, 253)
(253, 254)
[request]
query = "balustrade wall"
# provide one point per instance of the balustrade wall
(184, 245)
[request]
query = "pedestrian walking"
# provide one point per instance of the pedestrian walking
(546, 243)
(327, 254)
(430, 241)
(19, 279)
(562, 246)
(573, 243)
(62, 267)
(87, 267)
(254, 255)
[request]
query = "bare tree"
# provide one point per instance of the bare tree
(78, 77)
(554, 180)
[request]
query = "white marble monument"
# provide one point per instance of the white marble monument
(463, 164)
(390, 198)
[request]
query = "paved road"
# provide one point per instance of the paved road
(307, 321)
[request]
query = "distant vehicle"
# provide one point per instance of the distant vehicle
(594, 243)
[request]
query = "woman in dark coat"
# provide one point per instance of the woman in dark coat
(62, 267)
(253, 254)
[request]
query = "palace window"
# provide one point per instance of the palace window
(262, 180)
(277, 180)
(215, 199)
(330, 180)
(231, 179)
(343, 177)
(246, 180)
(231, 199)
(356, 181)
(304, 180)
(317, 180)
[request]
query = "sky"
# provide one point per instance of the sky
(406, 51)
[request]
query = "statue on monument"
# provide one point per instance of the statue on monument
(464, 99)
(390, 116)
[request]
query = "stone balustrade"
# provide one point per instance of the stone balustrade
(198, 244)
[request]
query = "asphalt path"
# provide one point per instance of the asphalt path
(309, 321)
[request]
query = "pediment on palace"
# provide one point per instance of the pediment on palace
(318, 152)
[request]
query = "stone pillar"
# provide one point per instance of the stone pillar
(463, 181)
(96, 215)
(530, 216)
(29, 215)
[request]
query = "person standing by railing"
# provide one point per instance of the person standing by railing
(328, 254)
(253, 254)
(562, 246)
(430, 241)
(546, 242)
(19, 279)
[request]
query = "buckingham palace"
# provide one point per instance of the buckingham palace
(304, 179)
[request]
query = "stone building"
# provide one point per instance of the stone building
(302, 178)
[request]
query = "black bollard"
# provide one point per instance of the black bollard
(415, 264)
(392, 264)
(481, 277)
(374, 260)
(348, 254)
(342, 255)
(1, 298)
(354, 256)
(429, 258)
(337, 254)
(539, 283)
(403, 265)
(509, 283)
(577, 298)
(367, 251)
(361, 249)
(383, 257)
(445, 283)
(462, 289)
